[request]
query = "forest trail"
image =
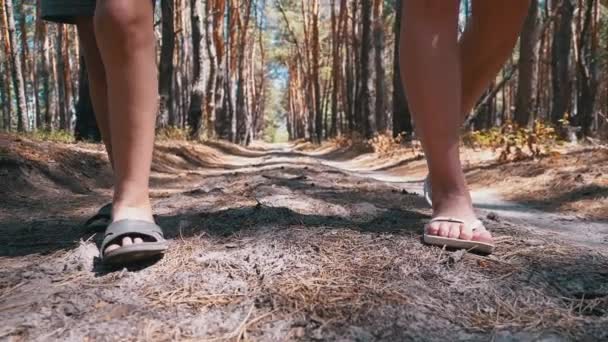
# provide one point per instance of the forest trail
(490, 202)
(274, 243)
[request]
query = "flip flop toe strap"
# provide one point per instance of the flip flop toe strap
(124, 228)
(476, 225)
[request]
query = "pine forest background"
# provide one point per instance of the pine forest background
(282, 70)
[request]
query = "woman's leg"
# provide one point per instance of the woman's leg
(431, 70)
(487, 43)
(125, 37)
(485, 46)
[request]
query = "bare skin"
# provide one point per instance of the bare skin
(443, 78)
(119, 48)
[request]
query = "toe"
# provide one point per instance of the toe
(112, 248)
(466, 233)
(482, 236)
(433, 228)
(444, 229)
(126, 241)
(138, 240)
(454, 231)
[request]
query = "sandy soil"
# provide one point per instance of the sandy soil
(273, 244)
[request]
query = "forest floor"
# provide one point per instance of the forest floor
(288, 242)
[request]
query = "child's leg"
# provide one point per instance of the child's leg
(487, 43)
(97, 78)
(430, 64)
(126, 42)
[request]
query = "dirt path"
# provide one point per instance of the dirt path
(273, 244)
(489, 201)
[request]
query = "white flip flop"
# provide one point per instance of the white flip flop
(427, 190)
(475, 246)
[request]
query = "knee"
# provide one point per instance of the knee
(126, 23)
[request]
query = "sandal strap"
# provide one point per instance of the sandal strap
(104, 213)
(446, 219)
(123, 228)
(475, 225)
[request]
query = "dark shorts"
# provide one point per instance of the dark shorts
(65, 11)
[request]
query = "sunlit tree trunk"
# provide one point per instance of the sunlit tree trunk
(16, 68)
(380, 106)
(165, 80)
(560, 65)
(364, 101)
(195, 113)
(402, 120)
(526, 66)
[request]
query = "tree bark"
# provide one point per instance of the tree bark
(380, 105)
(86, 127)
(587, 68)
(60, 77)
(560, 65)
(402, 119)
(165, 80)
(526, 66)
(195, 113)
(209, 102)
(335, 70)
(16, 68)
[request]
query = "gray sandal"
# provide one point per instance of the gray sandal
(101, 220)
(154, 242)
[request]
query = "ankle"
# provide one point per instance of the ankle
(120, 211)
(132, 205)
(448, 199)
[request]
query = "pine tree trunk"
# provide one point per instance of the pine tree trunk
(28, 75)
(16, 68)
(243, 116)
(367, 116)
(212, 78)
(221, 122)
(195, 113)
(587, 69)
(86, 127)
(165, 80)
(402, 120)
(526, 65)
(39, 36)
(229, 97)
(380, 106)
(60, 77)
(350, 66)
(49, 83)
(560, 64)
(335, 70)
(5, 69)
(67, 79)
(5, 93)
(316, 84)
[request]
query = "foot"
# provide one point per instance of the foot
(459, 206)
(122, 212)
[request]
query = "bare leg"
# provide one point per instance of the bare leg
(126, 41)
(431, 70)
(443, 80)
(487, 43)
(97, 78)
